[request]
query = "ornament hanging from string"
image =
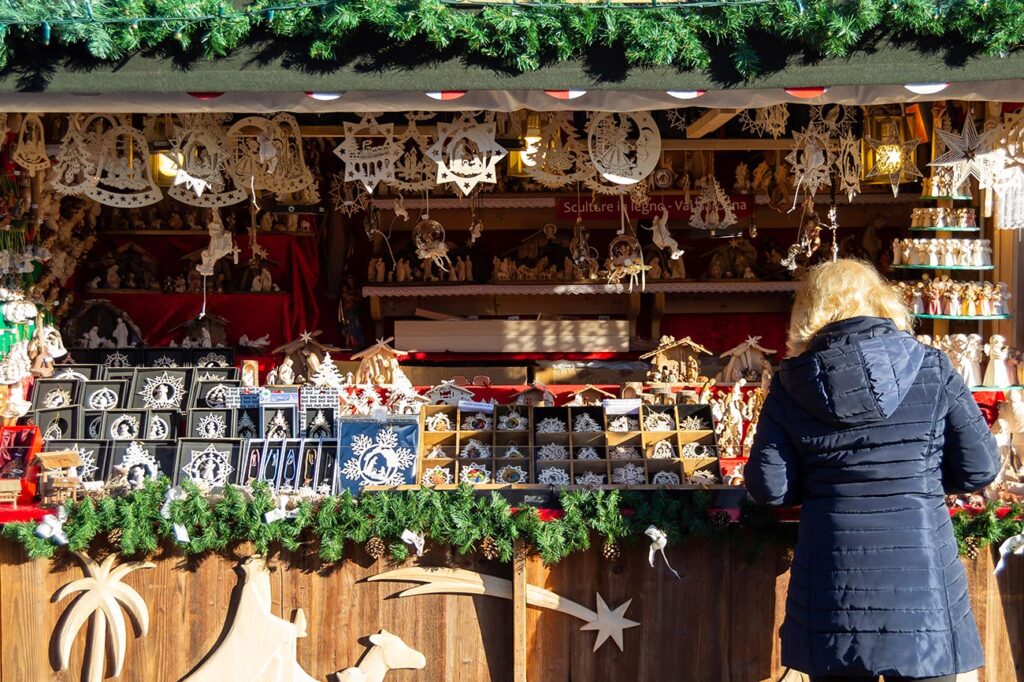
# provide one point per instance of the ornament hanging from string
(624, 147)
(466, 153)
(30, 151)
(369, 151)
(200, 153)
(414, 171)
(560, 158)
(123, 177)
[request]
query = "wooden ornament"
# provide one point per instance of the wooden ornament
(466, 153)
(124, 178)
(624, 147)
(609, 623)
(30, 153)
(102, 598)
(369, 151)
(258, 646)
(387, 652)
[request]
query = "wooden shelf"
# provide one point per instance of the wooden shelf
(955, 197)
(944, 267)
(428, 289)
(944, 229)
(994, 389)
(980, 318)
(193, 233)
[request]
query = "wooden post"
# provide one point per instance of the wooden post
(519, 612)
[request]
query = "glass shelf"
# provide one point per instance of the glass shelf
(944, 267)
(994, 389)
(955, 197)
(944, 229)
(980, 318)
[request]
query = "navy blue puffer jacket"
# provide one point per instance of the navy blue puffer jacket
(867, 430)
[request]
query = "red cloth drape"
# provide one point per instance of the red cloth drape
(295, 267)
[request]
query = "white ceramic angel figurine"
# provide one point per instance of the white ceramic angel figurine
(221, 244)
(1001, 298)
(121, 334)
(985, 253)
(917, 294)
(974, 354)
(997, 373)
(662, 238)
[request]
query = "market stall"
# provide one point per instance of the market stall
(426, 366)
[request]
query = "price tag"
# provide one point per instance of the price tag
(622, 405)
(476, 406)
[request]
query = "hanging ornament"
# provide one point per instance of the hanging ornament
(624, 147)
(347, 199)
(832, 120)
(1011, 137)
(583, 254)
(560, 158)
(267, 154)
(123, 175)
(970, 154)
(893, 157)
(414, 171)
(30, 152)
(466, 154)
(428, 235)
(626, 259)
(676, 119)
(75, 167)
(200, 152)
(712, 209)
(369, 151)
(848, 165)
(770, 120)
(811, 160)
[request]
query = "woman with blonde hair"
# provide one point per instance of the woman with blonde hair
(868, 430)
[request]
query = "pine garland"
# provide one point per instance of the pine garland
(522, 38)
(989, 525)
(459, 518)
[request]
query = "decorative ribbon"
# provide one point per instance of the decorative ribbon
(175, 494)
(281, 512)
(52, 528)
(658, 542)
(1012, 545)
(414, 540)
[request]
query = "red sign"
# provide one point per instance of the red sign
(608, 208)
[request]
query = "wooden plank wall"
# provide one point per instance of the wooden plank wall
(719, 622)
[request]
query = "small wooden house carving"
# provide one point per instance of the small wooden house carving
(535, 395)
(746, 361)
(590, 395)
(58, 475)
(378, 365)
(302, 348)
(675, 361)
(448, 393)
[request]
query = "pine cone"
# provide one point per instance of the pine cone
(971, 547)
(720, 519)
(489, 548)
(611, 551)
(375, 547)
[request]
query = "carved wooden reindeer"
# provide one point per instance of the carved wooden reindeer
(388, 652)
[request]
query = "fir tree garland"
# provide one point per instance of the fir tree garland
(522, 38)
(459, 518)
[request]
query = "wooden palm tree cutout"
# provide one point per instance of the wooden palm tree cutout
(102, 598)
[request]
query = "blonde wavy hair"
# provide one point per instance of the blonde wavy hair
(839, 290)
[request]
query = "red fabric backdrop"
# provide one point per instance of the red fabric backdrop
(719, 332)
(295, 267)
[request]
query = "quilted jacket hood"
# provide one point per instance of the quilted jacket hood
(856, 371)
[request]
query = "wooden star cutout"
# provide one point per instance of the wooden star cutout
(610, 623)
(969, 154)
(882, 165)
(466, 153)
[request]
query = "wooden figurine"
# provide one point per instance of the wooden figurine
(58, 476)
(300, 350)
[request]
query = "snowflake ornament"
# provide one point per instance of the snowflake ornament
(212, 426)
(209, 466)
(770, 120)
(141, 465)
(89, 467)
(553, 476)
(348, 199)
(466, 153)
(369, 151)
(163, 392)
(379, 460)
(676, 119)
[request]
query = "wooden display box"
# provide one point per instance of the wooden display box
(514, 336)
